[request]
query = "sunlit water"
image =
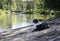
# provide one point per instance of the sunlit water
(18, 21)
(17, 25)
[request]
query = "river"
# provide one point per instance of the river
(18, 20)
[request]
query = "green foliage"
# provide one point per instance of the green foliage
(29, 11)
(1, 6)
(57, 13)
(52, 4)
(7, 4)
(29, 8)
(38, 6)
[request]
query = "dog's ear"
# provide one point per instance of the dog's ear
(35, 21)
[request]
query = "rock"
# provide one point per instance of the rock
(26, 34)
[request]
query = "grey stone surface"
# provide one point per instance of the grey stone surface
(26, 34)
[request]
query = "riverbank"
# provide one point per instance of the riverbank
(26, 34)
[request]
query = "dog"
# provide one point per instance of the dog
(40, 25)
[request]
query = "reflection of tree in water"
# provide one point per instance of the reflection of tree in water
(29, 17)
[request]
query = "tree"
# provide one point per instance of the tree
(29, 7)
(2, 3)
(52, 4)
(13, 5)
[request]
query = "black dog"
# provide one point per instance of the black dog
(41, 26)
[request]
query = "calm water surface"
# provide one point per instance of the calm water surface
(17, 21)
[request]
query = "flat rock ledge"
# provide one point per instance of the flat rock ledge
(26, 34)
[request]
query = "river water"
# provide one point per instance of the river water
(18, 20)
